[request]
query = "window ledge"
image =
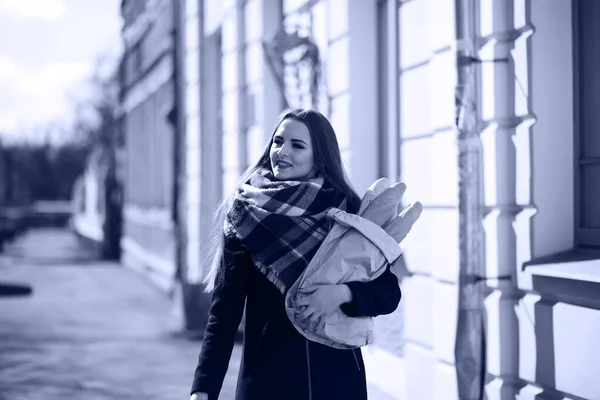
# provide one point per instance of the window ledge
(587, 271)
(573, 265)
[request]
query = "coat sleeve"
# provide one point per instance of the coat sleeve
(224, 317)
(377, 297)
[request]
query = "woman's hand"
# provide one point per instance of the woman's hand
(199, 396)
(321, 302)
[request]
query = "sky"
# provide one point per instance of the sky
(47, 50)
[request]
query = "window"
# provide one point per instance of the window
(586, 23)
(382, 85)
(136, 54)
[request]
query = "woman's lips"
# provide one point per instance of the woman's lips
(283, 164)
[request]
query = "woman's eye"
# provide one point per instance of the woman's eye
(298, 146)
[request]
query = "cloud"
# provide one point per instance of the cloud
(33, 98)
(33, 9)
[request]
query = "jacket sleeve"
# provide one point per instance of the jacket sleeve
(377, 297)
(224, 319)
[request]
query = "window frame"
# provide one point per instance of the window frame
(583, 237)
(382, 86)
(388, 88)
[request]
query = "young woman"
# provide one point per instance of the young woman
(268, 230)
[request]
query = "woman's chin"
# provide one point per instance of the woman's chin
(280, 174)
(283, 174)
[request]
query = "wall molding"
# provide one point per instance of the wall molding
(158, 76)
(135, 31)
(159, 270)
(154, 217)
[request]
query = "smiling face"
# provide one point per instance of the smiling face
(291, 152)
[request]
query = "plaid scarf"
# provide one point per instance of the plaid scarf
(282, 223)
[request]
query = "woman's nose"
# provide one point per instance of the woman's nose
(283, 151)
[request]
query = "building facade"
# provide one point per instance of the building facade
(148, 106)
(386, 72)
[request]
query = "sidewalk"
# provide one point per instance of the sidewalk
(91, 330)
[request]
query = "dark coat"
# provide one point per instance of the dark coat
(278, 362)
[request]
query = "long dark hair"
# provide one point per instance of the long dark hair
(327, 161)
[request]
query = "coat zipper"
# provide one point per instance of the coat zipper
(356, 359)
(264, 331)
(308, 370)
(260, 339)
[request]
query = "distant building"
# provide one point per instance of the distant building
(3, 175)
(147, 101)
